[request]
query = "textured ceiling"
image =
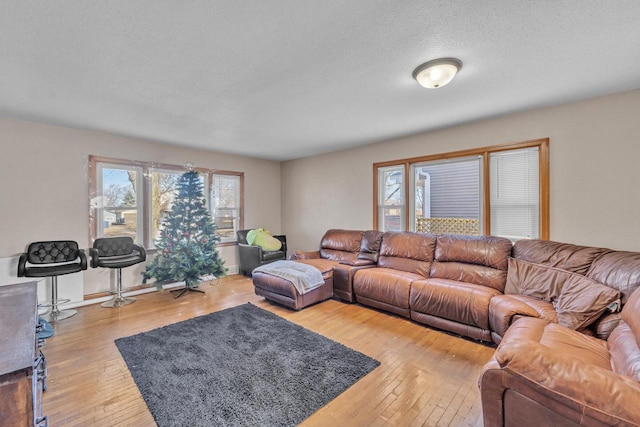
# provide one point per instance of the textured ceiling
(282, 79)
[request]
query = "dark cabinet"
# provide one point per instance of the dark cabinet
(22, 365)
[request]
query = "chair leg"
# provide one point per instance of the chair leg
(119, 300)
(55, 313)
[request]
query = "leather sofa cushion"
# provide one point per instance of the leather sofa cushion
(580, 347)
(486, 251)
(481, 260)
(477, 274)
(582, 301)
(535, 280)
(340, 245)
(577, 299)
(407, 251)
(619, 270)
(298, 254)
(573, 258)
(324, 265)
(461, 302)
(384, 285)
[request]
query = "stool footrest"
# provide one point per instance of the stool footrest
(53, 304)
(118, 301)
(55, 315)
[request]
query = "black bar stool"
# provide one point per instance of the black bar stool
(116, 252)
(53, 259)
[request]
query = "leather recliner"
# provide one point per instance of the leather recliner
(546, 374)
(253, 256)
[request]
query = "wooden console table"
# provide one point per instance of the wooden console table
(20, 387)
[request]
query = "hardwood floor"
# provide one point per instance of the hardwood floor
(426, 377)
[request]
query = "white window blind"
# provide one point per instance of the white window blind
(226, 206)
(515, 193)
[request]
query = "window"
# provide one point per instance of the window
(164, 187)
(118, 206)
(130, 198)
(500, 190)
(446, 189)
(515, 193)
(391, 198)
(226, 205)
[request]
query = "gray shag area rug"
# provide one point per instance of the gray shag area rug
(243, 366)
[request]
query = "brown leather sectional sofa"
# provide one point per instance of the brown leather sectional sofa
(561, 361)
(545, 374)
(566, 354)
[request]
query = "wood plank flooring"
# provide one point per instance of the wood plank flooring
(426, 377)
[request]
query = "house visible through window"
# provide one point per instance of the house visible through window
(119, 202)
(492, 190)
(130, 198)
(446, 189)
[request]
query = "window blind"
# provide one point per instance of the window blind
(515, 193)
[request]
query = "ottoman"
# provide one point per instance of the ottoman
(283, 292)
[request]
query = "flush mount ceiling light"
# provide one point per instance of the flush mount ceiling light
(437, 73)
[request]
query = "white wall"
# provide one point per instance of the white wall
(594, 151)
(44, 191)
(594, 172)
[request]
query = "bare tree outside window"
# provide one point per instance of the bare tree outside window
(114, 195)
(163, 190)
(119, 202)
(131, 198)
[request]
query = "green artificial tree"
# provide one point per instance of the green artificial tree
(186, 247)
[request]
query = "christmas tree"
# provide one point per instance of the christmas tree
(186, 247)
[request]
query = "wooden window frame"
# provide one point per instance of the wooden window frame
(147, 167)
(543, 152)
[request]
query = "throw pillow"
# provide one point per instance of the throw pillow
(582, 301)
(535, 280)
(261, 237)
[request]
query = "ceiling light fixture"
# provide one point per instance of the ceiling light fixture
(437, 73)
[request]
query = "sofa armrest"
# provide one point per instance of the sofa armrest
(250, 257)
(298, 254)
(568, 386)
(343, 274)
(502, 311)
(250, 250)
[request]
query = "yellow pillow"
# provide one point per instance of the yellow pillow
(261, 237)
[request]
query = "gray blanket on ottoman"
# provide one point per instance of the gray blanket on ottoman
(304, 277)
